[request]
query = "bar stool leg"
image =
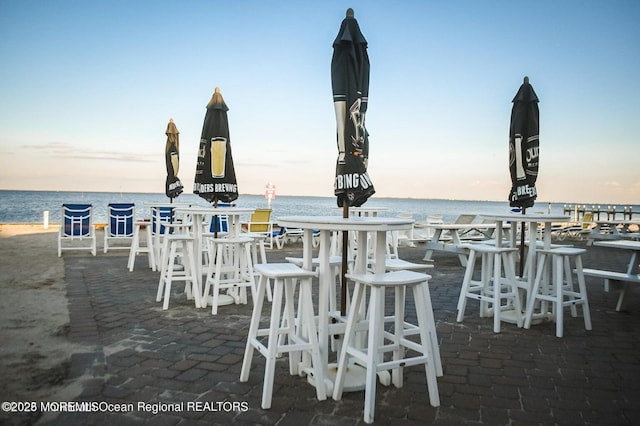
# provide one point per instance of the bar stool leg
(558, 283)
(163, 271)
(134, 247)
(583, 291)
(486, 273)
(150, 249)
(216, 280)
(434, 366)
(169, 277)
(568, 285)
(246, 264)
(270, 356)
(542, 263)
(497, 291)
(427, 309)
(466, 284)
(376, 328)
(253, 328)
(191, 271)
(211, 268)
(308, 318)
(508, 263)
(352, 317)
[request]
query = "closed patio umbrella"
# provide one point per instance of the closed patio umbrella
(524, 149)
(173, 186)
(350, 85)
(215, 178)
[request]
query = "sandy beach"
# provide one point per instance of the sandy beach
(34, 349)
(138, 352)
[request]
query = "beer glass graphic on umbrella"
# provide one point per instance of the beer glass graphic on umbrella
(218, 156)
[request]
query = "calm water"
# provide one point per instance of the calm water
(28, 206)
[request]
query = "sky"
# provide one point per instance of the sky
(87, 89)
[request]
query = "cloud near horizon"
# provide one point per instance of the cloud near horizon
(69, 151)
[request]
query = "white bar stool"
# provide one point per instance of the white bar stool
(561, 293)
(304, 337)
(381, 341)
(491, 288)
(232, 270)
(137, 248)
(178, 246)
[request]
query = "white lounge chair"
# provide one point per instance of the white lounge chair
(287, 235)
(422, 231)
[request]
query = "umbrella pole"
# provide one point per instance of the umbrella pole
(215, 220)
(345, 248)
(522, 231)
(171, 214)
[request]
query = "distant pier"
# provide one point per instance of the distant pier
(600, 212)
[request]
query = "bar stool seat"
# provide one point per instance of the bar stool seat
(492, 288)
(137, 248)
(561, 292)
(299, 334)
(178, 246)
(381, 341)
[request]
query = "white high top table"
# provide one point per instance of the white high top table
(378, 226)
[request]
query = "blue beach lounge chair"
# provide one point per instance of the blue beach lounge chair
(284, 235)
(221, 225)
(120, 217)
(159, 217)
(76, 229)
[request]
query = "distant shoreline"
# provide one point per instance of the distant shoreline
(331, 197)
(40, 206)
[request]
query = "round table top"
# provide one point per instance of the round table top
(338, 223)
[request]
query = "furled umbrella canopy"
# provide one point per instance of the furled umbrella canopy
(173, 186)
(524, 144)
(350, 84)
(215, 175)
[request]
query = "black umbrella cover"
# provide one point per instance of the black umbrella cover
(350, 84)
(524, 147)
(173, 186)
(215, 175)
